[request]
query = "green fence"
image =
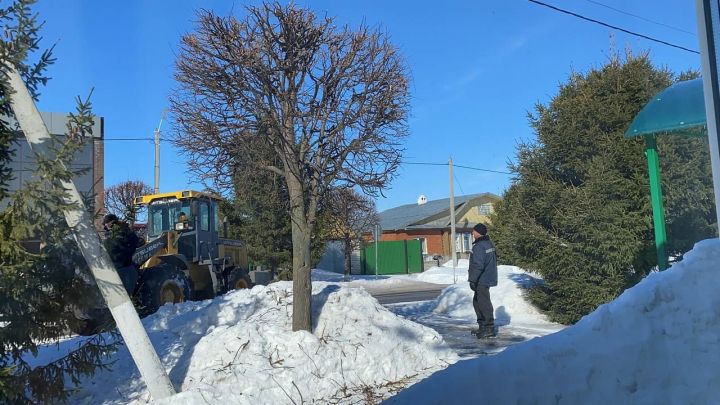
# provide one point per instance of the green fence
(394, 257)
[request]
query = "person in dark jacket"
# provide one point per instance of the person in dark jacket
(482, 274)
(120, 241)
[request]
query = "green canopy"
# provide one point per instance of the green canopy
(679, 110)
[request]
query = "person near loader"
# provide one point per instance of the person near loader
(120, 241)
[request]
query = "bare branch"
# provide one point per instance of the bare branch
(120, 198)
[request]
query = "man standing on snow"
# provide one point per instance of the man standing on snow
(482, 274)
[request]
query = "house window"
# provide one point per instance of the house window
(485, 209)
(463, 242)
(423, 243)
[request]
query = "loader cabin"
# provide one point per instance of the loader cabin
(186, 212)
(176, 211)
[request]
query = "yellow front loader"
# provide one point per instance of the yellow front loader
(187, 255)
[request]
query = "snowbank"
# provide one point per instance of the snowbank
(369, 282)
(239, 349)
(659, 342)
(507, 297)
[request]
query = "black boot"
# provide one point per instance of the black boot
(486, 331)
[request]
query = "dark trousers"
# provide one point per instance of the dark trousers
(483, 306)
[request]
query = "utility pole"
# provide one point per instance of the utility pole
(377, 240)
(81, 225)
(452, 218)
(708, 30)
(157, 154)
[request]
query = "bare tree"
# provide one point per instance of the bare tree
(120, 198)
(331, 102)
(352, 214)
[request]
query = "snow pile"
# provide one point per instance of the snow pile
(370, 282)
(659, 342)
(239, 349)
(507, 298)
(445, 274)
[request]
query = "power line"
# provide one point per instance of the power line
(406, 163)
(131, 139)
(482, 170)
(614, 27)
(641, 17)
(455, 165)
(458, 183)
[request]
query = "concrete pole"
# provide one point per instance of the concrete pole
(157, 161)
(706, 10)
(81, 224)
(452, 218)
(377, 240)
(157, 155)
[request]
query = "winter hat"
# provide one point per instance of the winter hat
(109, 218)
(480, 228)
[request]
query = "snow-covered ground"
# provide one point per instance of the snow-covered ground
(513, 314)
(508, 298)
(658, 343)
(239, 349)
(452, 312)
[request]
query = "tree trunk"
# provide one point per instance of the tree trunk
(302, 286)
(348, 254)
(301, 233)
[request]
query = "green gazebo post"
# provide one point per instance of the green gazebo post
(656, 200)
(677, 110)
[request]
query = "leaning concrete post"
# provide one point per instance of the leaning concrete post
(97, 258)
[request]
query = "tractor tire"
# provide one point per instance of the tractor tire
(239, 279)
(162, 285)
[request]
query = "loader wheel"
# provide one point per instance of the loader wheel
(239, 279)
(163, 285)
(171, 293)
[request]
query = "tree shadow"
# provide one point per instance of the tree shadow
(525, 281)
(319, 299)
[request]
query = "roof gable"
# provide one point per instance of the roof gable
(433, 214)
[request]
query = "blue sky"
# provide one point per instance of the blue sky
(478, 68)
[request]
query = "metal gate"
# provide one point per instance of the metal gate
(393, 257)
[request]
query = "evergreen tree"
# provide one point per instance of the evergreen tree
(578, 210)
(259, 215)
(43, 275)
